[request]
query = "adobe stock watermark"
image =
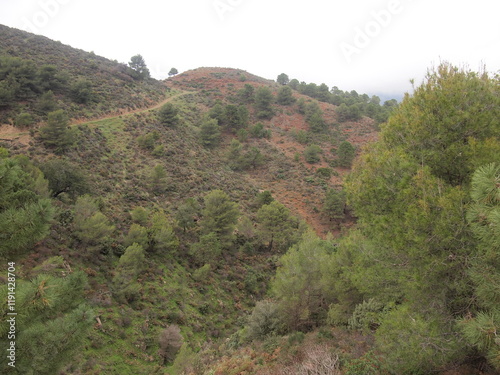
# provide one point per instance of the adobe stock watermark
(363, 36)
(222, 7)
(39, 19)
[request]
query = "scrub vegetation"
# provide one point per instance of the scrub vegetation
(221, 223)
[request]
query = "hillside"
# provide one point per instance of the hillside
(39, 75)
(222, 223)
(293, 182)
(129, 174)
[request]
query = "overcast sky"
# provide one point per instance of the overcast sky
(371, 46)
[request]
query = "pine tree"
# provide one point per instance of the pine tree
(92, 227)
(210, 133)
(162, 234)
(277, 226)
(263, 103)
(186, 214)
(484, 218)
(285, 96)
(168, 115)
(220, 216)
(207, 250)
(56, 134)
(346, 154)
(300, 285)
(131, 264)
(25, 210)
(52, 322)
(334, 204)
(139, 68)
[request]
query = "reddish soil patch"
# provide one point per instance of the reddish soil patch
(303, 198)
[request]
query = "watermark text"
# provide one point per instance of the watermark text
(363, 36)
(48, 9)
(11, 313)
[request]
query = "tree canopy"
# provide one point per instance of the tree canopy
(139, 67)
(25, 210)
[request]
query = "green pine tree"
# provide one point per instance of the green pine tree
(220, 216)
(56, 134)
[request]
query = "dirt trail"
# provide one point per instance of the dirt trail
(10, 133)
(133, 111)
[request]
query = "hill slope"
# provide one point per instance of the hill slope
(83, 84)
(130, 196)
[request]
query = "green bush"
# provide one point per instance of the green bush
(147, 141)
(366, 316)
(202, 273)
(264, 321)
(312, 154)
(324, 172)
(207, 250)
(24, 120)
(137, 234)
(91, 226)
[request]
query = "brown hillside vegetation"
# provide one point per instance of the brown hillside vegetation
(297, 191)
(292, 182)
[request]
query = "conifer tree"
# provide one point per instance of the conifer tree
(484, 218)
(277, 227)
(25, 210)
(163, 238)
(285, 96)
(263, 103)
(52, 322)
(210, 133)
(56, 134)
(168, 115)
(139, 68)
(346, 154)
(92, 227)
(220, 216)
(132, 262)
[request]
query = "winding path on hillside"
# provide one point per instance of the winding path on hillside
(133, 111)
(10, 133)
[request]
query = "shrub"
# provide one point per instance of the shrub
(137, 234)
(264, 321)
(311, 154)
(24, 120)
(64, 177)
(207, 250)
(366, 316)
(324, 172)
(91, 226)
(147, 141)
(169, 341)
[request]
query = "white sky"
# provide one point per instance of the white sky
(372, 46)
